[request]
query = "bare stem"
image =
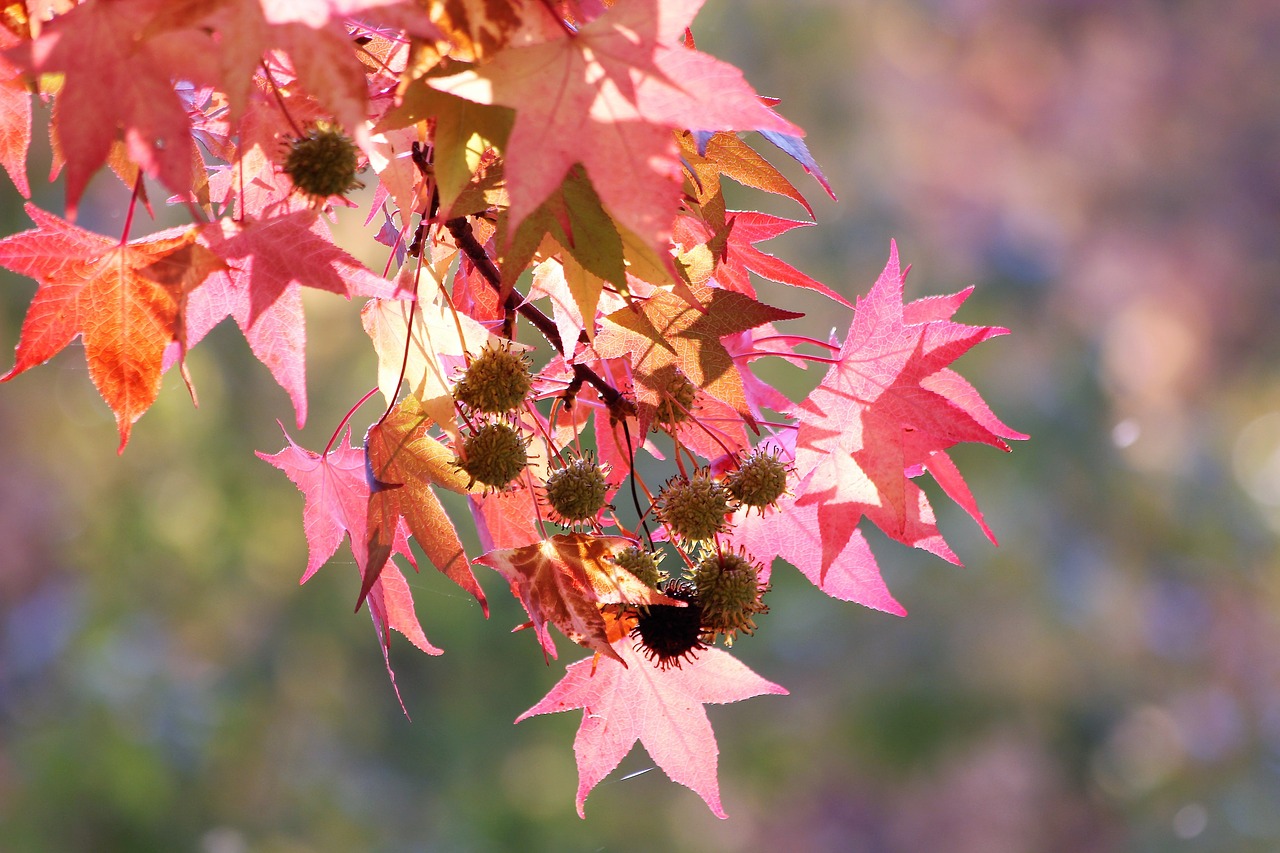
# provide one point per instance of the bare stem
(796, 339)
(133, 205)
(463, 235)
(346, 418)
(280, 100)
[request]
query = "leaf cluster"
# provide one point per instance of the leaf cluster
(562, 161)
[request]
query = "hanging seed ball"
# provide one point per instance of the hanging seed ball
(496, 381)
(759, 481)
(495, 455)
(677, 400)
(669, 634)
(323, 163)
(641, 564)
(694, 509)
(729, 592)
(577, 491)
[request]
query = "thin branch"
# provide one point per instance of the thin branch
(460, 228)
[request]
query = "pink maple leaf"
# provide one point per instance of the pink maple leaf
(747, 228)
(336, 500)
(269, 261)
(833, 555)
(312, 33)
(632, 699)
(886, 411)
(506, 519)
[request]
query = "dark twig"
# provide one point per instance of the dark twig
(619, 406)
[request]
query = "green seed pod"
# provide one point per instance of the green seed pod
(759, 481)
(495, 455)
(729, 592)
(496, 381)
(323, 163)
(642, 564)
(677, 400)
(694, 509)
(577, 491)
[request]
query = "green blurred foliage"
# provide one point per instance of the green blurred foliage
(1108, 174)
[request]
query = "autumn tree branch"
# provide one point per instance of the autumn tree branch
(464, 236)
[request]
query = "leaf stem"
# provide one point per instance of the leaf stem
(280, 100)
(408, 343)
(746, 356)
(533, 494)
(564, 25)
(796, 339)
(634, 477)
(536, 416)
(133, 205)
(346, 418)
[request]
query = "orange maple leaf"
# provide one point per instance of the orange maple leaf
(403, 463)
(125, 300)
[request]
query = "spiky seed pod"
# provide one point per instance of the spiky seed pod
(577, 491)
(642, 564)
(496, 381)
(729, 592)
(677, 400)
(759, 481)
(694, 509)
(495, 455)
(323, 163)
(669, 634)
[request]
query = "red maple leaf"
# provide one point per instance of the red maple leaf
(632, 699)
(15, 119)
(740, 256)
(336, 502)
(126, 301)
(619, 87)
(118, 77)
(565, 580)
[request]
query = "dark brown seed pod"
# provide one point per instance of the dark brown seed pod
(669, 634)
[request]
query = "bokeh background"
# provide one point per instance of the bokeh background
(1108, 679)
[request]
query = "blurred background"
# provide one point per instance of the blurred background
(1108, 679)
